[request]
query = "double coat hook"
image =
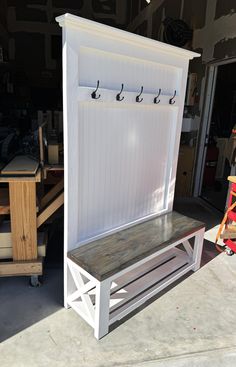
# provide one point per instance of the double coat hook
(138, 99)
(156, 100)
(118, 96)
(94, 94)
(171, 99)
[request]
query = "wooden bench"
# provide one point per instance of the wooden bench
(112, 276)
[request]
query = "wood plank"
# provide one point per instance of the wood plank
(18, 268)
(41, 143)
(4, 201)
(139, 271)
(36, 178)
(6, 253)
(23, 220)
(52, 168)
(132, 289)
(107, 256)
(6, 244)
(52, 193)
(5, 234)
(148, 294)
(227, 234)
(21, 165)
(46, 213)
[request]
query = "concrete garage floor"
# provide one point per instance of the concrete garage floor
(193, 324)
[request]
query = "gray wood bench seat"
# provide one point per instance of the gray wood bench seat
(140, 260)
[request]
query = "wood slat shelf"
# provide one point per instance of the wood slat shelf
(157, 279)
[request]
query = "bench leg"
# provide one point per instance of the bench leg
(102, 309)
(197, 252)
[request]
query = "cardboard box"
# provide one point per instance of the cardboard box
(183, 187)
(53, 153)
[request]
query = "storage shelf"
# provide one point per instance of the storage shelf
(151, 277)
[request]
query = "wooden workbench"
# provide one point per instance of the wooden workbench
(23, 214)
(20, 201)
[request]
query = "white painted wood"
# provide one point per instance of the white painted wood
(138, 301)
(92, 29)
(134, 288)
(114, 187)
(188, 248)
(133, 70)
(80, 309)
(137, 272)
(197, 252)
(84, 289)
(86, 300)
(120, 157)
(102, 309)
(123, 292)
(109, 95)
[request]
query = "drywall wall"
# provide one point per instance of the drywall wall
(214, 31)
(213, 22)
(218, 36)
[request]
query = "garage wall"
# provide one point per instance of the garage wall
(213, 23)
(214, 18)
(32, 39)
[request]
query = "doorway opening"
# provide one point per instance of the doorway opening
(219, 142)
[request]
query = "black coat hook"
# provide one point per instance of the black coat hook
(171, 99)
(94, 94)
(138, 99)
(118, 97)
(156, 100)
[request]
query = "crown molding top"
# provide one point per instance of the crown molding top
(73, 21)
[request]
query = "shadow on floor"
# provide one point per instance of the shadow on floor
(22, 305)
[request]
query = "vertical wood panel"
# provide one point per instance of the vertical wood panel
(23, 220)
(132, 71)
(122, 168)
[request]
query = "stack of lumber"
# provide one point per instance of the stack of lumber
(6, 241)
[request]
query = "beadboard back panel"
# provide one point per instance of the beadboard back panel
(123, 179)
(120, 155)
(130, 71)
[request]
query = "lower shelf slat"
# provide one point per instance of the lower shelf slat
(136, 293)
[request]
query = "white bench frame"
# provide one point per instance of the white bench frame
(92, 299)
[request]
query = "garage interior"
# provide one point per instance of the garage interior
(31, 129)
